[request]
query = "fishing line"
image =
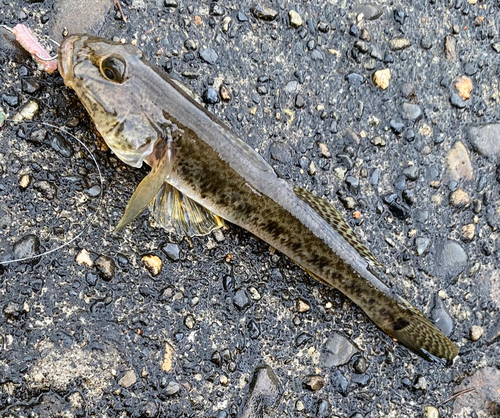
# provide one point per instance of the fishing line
(90, 220)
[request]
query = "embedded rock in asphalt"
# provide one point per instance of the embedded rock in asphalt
(458, 161)
(337, 351)
(441, 317)
(485, 140)
(486, 384)
(264, 393)
(450, 259)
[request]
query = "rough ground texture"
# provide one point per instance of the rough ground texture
(414, 167)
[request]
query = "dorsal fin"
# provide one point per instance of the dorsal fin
(335, 219)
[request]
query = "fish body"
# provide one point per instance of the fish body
(145, 116)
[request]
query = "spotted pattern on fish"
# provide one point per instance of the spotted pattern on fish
(335, 219)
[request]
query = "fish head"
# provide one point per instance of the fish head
(107, 78)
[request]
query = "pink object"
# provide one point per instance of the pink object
(28, 41)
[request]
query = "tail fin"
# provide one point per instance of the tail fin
(412, 329)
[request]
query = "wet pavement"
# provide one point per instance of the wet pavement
(388, 110)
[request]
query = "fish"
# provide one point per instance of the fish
(202, 174)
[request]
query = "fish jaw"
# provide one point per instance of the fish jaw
(65, 59)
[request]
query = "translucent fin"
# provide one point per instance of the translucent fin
(174, 211)
(334, 218)
(161, 165)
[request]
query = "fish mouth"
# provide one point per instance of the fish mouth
(65, 59)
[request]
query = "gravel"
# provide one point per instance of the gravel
(68, 328)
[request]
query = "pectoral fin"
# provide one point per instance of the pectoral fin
(177, 212)
(161, 164)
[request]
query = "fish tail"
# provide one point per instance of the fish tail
(405, 323)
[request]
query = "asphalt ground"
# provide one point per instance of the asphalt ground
(99, 335)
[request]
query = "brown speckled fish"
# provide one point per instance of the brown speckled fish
(201, 172)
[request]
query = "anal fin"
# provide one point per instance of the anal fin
(177, 212)
(335, 219)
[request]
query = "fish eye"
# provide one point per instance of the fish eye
(113, 69)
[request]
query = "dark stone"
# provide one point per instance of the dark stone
(216, 9)
(27, 247)
(253, 329)
(441, 317)
(106, 267)
(412, 172)
(281, 151)
(450, 259)
(323, 27)
(397, 126)
(210, 96)
(339, 382)
(302, 339)
(242, 17)
(172, 251)
(457, 101)
(209, 55)
(355, 79)
(399, 211)
(360, 365)
(264, 394)
(11, 100)
(300, 101)
(61, 145)
(29, 85)
(264, 13)
(241, 300)
(399, 16)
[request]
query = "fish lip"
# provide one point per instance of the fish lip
(65, 58)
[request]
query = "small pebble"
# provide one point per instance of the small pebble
(24, 182)
(209, 55)
(324, 150)
(299, 406)
(105, 266)
(224, 93)
(152, 263)
(313, 382)
(430, 412)
(302, 306)
(295, 19)
(172, 388)
(463, 85)
(264, 13)
(476, 332)
(468, 232)
(360, 365)
(27, 112)
(83, 257)
(172, 251)
(27, 246)
(241, 300)
(189, 321)
(485, 140)
(459, 199)
(412, 111)
(458, 162)
(210, 96)
(128, 379)
(399, 44)
(381, 78)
